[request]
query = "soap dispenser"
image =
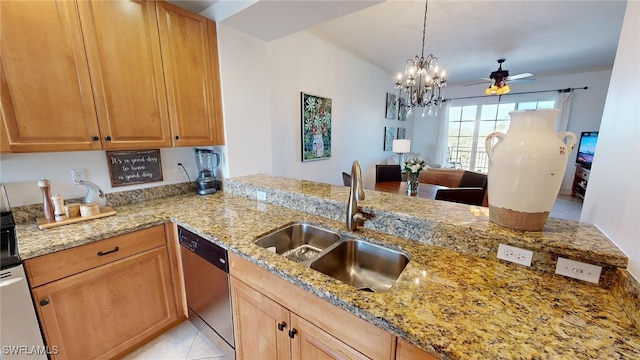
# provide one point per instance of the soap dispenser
(94, 194)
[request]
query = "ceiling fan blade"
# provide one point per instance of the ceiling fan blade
(477, 83)
(519, 76)
(522, 81)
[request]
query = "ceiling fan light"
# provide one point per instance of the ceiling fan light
(503, 90)
(487, 91)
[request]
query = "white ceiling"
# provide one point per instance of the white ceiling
(468, 36)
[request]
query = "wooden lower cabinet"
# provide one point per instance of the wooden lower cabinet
(107, 311)
(274, 319)
(311, 342)
(267, 330)
(263, 303)
(255, 323)
(406, 351)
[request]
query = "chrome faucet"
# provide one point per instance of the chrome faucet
(356, 192)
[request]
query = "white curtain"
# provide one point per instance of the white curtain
(440, 157)
(563, 102)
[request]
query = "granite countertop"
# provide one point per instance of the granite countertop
(453, 305)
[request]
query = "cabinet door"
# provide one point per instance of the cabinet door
(103, 312)
(406, 351)
(256, 320)
(310, 342)
(358, 334)
(4, 137)
(47, 102)
(190, 61)
(123, 51)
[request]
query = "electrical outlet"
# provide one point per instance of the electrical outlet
(261, 195)
(515, 254)
(578, 270)
(78, 175)
(178, 168)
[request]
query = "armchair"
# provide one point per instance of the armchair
(471, 190)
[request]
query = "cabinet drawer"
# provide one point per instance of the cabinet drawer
(47, 268)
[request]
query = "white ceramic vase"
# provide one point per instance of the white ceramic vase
(526, 168)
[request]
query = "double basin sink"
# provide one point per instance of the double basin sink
(359, 263)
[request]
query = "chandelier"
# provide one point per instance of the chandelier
(423, 82)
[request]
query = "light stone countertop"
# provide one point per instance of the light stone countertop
(453, 305)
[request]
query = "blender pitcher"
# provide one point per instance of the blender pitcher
(207, 161)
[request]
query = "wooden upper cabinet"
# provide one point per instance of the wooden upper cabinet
(123, 52)
(46, 100)
(190, 60)
(118, 74)
(4, 138)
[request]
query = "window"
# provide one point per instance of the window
(470, 124)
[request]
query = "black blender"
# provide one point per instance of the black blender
(8, 229)
(207, 161)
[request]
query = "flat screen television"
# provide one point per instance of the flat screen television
(586, 148)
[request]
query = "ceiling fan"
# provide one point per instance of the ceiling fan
(498, 80)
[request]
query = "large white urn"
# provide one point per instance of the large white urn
(526, 168)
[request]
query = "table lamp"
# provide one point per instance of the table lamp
(400, 147)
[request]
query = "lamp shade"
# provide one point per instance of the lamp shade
(401, 146)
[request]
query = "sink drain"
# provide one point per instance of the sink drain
(301, 253)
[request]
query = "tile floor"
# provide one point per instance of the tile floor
(567, 208)
(185, 342)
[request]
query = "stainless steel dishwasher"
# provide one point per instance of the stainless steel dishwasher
(206, 277)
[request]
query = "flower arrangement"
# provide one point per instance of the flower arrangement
(414, 166)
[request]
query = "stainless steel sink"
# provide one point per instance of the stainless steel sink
(359, 263)
(363, 265)
(299, 241)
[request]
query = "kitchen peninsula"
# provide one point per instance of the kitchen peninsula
(453, 300)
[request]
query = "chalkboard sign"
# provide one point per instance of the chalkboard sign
(134, 167)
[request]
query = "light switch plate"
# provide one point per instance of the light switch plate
(578, 270)
(515, 254)
(261, 195)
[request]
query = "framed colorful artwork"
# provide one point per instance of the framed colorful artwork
(316, 127)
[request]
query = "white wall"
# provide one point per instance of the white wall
(586, 108)
(304, 63)
(244, 75)
(612, 201)
(21, 172)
